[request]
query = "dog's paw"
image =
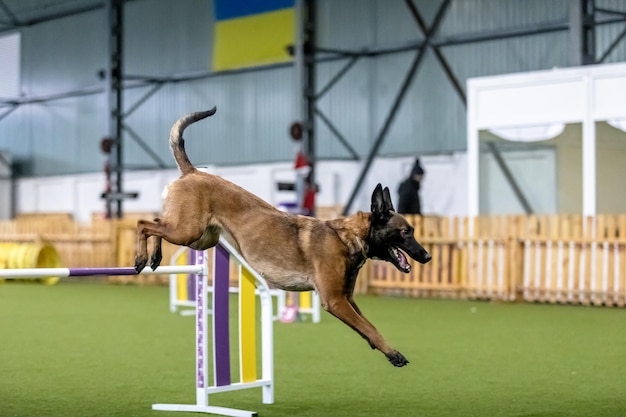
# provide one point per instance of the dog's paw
(397, 359)
(140, 264)
(155, 260)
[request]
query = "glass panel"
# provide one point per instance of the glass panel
(547, 173)
(610, 167)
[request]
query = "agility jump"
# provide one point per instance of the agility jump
(250, 285)
(289, 306)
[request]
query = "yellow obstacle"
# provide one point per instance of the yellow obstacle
(30, 255)
(305, 300)
(247, 325)
(182, 292)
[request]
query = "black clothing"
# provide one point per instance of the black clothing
(409, 198)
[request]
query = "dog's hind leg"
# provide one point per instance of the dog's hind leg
(141, 247)
(147, 229)
(183, 233)
(157, 254)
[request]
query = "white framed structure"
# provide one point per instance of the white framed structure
(252, 285)
(580, 95)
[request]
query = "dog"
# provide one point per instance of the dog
(292, 252)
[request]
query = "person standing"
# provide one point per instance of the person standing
(409, 191)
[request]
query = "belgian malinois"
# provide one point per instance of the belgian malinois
(292, 252)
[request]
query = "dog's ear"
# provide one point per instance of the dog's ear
(380, 209)
(387, 199)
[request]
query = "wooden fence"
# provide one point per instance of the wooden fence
(564, 258)
(100, 243)
(557, 259)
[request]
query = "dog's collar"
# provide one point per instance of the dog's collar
(362, 253)
(362, 257)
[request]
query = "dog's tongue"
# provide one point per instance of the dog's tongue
(402, 261)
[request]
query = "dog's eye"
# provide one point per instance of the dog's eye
(406, 232)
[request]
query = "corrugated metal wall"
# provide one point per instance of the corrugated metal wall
(163, 37)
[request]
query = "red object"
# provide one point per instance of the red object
(302, 163)
(308, 202)
(295, 131)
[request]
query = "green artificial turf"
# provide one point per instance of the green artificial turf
(98, 350)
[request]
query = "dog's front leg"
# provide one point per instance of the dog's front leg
(338, 305)
(350, 293)
(358, 310)
(350, 296)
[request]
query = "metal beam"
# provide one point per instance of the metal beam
(395, 106)
(504, 167)
(7, 10)
(308, 37)
(494, 35)
(582, 32)
(9, 111)
(386, 125)
(115, 13)
(463, 38)
(436, 49)
(459, 39)
(588, 32)
(338, 135)
(144, 146)
(611, 11)
(353, 60)
(53, 16)
(461, 93)
(50, 97)
(337, 77)
(344, 53)
(612, 46)
(134, 81)
(143, 99)
(621, 17)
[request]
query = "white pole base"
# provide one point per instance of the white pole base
(223, 411)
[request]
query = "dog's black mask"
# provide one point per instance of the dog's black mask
(390, 234)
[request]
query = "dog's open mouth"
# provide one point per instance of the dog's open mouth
(399, 259)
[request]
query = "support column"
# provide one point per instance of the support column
(589, 153)
(582, 32)
(308, 52)
(114, 95)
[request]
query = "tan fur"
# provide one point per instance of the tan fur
(291, 252)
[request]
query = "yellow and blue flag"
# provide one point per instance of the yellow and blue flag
(252, 32)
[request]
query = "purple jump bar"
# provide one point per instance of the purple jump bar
(221, 344)
(87, 272)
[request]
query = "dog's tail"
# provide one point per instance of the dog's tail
(177, 143)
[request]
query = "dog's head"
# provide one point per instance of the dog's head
(390, 234)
